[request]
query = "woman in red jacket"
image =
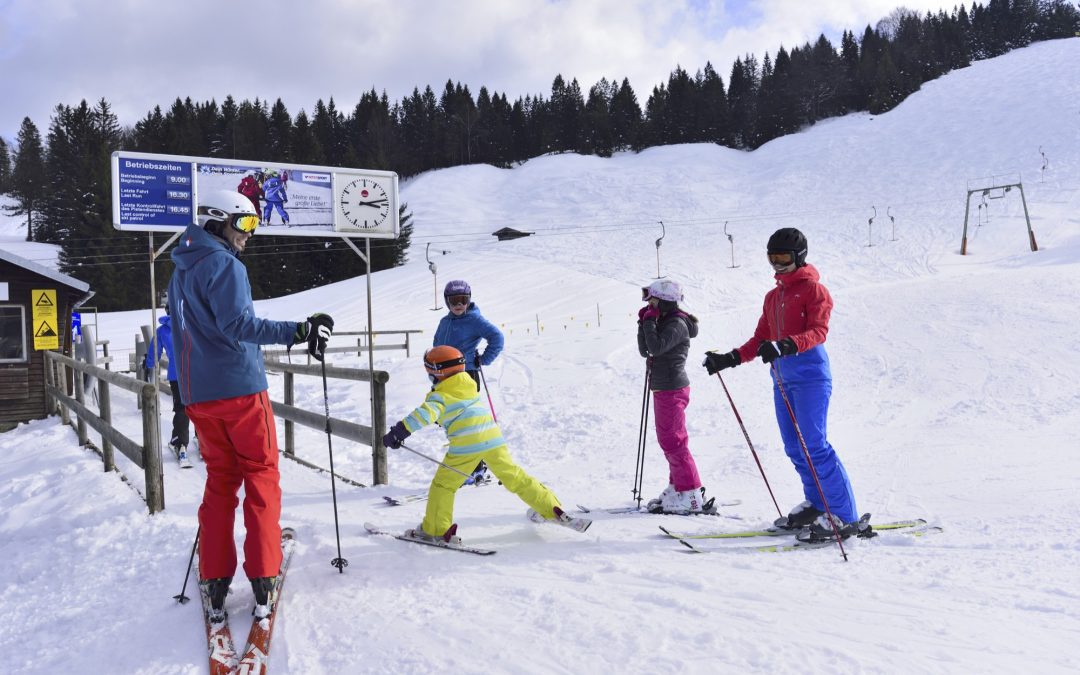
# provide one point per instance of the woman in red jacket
(790, 336)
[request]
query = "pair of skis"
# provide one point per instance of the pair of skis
(452, 542)
(224, 659)
(618, 510)
(422, 496)
(914, 527)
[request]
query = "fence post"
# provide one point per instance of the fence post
(290, 447)
(155, 483)
(50, 400)
(80, 397)
(61, 384)
(380, 475)
(140, 358)
(105, 408)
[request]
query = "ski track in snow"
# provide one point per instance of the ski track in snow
(955, 399)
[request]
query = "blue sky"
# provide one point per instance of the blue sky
(140, 53)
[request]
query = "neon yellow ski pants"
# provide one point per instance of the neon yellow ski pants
(440, 506)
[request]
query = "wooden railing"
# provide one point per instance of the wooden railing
(359, 433)
(360, 347)
(146, 456)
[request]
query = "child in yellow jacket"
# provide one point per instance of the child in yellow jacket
(474, 437)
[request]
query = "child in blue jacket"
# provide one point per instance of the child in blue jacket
(462, 328)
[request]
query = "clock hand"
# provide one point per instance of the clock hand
(378, 203)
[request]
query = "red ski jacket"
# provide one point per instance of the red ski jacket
(798, 308)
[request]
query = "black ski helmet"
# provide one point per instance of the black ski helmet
(789, 240)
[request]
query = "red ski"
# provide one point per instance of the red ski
(258, 642)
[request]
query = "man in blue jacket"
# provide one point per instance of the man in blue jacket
(223, 384)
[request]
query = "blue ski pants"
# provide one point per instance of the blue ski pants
(810, 402)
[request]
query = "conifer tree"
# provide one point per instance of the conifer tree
(625, 118)
(596, 134)
(77, 212)
(5, 166)
(742, 94)
(28, 178)
(712, 108)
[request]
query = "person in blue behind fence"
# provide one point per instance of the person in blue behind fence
(178, 440)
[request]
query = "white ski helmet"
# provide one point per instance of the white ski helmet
(663, 289)
(216, 207)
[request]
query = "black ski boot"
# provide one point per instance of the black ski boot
(802, 515)
(216, 590)
(826, 527)
(263, 588)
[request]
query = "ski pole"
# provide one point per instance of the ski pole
(339, 562)
(187, 575)
(639, 461)
(809, 462)
(432, 459)
(738, 418)
(487, 391)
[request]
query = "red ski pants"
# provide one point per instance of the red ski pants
(238, 442)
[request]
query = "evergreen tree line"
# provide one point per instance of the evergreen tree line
(62, 185)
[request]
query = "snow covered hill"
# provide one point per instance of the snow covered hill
(955, 400)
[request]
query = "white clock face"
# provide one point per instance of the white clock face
(364, 203)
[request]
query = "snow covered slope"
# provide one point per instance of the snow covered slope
(955, 400)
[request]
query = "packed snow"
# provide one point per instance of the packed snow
(955, 400)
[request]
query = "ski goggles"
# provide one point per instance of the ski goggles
(782, 259)
(244, 223)
(457, 300)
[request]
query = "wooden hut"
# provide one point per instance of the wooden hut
(36, 303)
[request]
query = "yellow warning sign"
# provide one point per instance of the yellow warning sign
(46, 331)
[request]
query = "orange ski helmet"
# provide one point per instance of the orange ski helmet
(443, 361)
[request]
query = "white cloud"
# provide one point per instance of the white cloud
(138, 53)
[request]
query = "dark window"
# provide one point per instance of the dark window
(12, 334)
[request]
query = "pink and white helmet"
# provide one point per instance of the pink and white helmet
(663, 289)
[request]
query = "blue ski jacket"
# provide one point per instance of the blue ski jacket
(164, 344)
(217, 335)
(274, 190)
(464, 332)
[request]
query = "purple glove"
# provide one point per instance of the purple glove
(649, 313)
(397, 434)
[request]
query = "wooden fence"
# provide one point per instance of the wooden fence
(146, 456)
(359, 433)
(360, 347)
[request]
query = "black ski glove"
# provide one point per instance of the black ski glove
(770, 351)
(714, 362)
(396, 436)
(316, 330)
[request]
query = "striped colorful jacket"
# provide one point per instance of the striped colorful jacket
(456, 406)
